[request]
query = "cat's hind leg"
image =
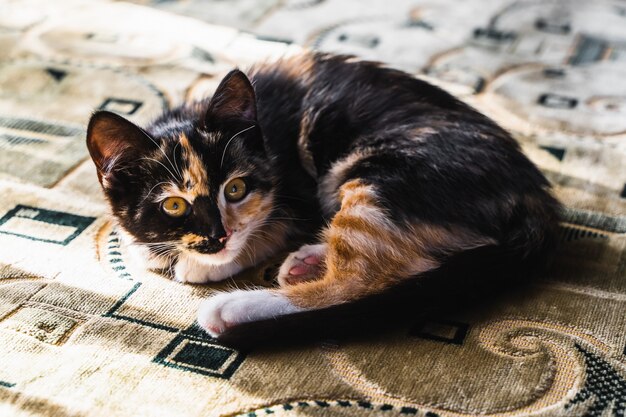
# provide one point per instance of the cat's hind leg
(367, 252)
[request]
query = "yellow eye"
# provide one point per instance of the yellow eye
(235, 189)
(175, 206)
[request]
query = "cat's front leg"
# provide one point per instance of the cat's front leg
(190, 270)
(229, 309)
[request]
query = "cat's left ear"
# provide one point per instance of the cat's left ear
(113, 140)
(234, 100)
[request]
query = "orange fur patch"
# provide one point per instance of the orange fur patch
(191, 239)
(194, 174)
(421, 132)
(306, 157)
(256, 206)
(269, 238)
(329, 187)
(367, 252)
(298, 67)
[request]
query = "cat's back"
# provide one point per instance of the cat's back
(324, 106)
(371, 94)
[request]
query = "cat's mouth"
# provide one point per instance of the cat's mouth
(209, 256)
(210, 246)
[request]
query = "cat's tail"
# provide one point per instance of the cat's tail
(526, 250)
(482, 274)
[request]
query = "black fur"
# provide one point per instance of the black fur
(463, 169)
(468, 172)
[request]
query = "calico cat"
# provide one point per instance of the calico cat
(378, 175)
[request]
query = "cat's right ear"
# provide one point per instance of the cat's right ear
(112, 139)
(234, 99)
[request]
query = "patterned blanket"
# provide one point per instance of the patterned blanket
(84, 332)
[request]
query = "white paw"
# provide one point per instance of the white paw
(224, 310)
(306, 264)
(187, 270)
(190, 270)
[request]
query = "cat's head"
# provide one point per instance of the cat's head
(196, 181)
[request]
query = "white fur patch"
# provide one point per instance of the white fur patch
(225, 310)
(140, 254)
(189, 269)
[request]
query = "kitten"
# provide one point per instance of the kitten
(382, 175)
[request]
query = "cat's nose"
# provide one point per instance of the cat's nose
(217, 232)
(209, 219)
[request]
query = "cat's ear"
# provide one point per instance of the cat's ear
(234, 99)
(111, 139)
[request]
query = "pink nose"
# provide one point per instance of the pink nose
(228, 233)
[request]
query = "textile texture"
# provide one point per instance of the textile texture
(84, 332)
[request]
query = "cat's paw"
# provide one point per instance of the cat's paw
(189, 270)
(306, 264)
(225, 310)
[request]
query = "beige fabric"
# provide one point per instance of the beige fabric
(85, 332)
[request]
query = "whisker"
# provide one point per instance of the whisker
(174, 157)
(151, 189)
(162, 251)
(160, 163)
(157, 243)
(161, 149)
(230, 140)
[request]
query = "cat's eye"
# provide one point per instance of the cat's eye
(235, 189)
(175, 206)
